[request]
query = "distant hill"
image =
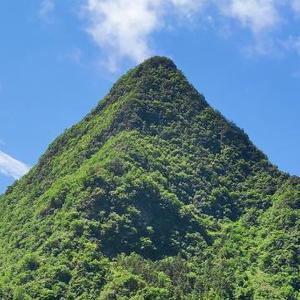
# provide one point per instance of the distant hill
(153, 195)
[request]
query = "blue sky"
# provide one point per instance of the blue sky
(59, 58)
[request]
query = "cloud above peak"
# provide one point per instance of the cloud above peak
(124, 28)
(256, 15)
(11, 167)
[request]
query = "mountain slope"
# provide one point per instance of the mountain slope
(152, 179)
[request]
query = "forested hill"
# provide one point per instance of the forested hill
(153, 195)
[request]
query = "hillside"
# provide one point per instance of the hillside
(153, 195)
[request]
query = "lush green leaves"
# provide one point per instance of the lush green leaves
(154, 195)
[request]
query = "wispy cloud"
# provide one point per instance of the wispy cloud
(256, 15)
(11, 167)
(46, 8)
(124, 29)
(292, 44)
(296, 5)
(75, 55)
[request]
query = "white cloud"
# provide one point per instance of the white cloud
(124, 27)
(257, 15)
(12, 167)
(188, 7)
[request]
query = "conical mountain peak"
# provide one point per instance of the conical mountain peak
(155, 82)
(157, 62)
(153, 195)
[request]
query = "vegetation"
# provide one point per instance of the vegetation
(154, 195)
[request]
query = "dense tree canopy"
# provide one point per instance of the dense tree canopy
(153, 195)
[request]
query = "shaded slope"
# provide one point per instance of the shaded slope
(153, 169)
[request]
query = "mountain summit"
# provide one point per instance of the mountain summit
(153, 195)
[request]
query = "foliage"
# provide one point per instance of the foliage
(153, 195)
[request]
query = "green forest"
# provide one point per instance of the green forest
(154, 195)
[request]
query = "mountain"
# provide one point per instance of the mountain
(153, 195)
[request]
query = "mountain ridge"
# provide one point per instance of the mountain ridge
(152, 177)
